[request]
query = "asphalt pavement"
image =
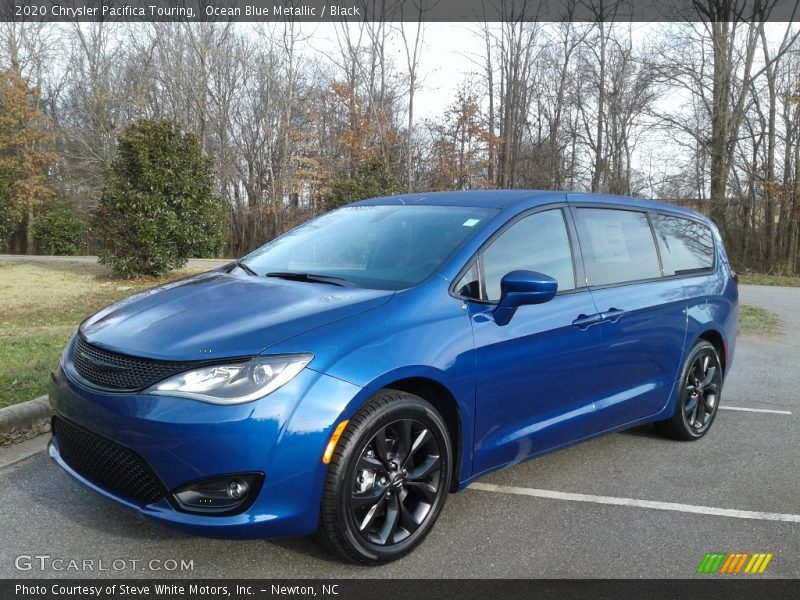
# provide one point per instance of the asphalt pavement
(631, 504)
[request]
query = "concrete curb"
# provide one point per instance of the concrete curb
(23, 417)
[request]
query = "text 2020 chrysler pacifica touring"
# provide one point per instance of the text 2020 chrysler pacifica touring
(348, 375)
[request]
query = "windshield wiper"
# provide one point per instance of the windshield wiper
(243, 267)
(311, 278)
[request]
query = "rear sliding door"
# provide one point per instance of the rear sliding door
(643, 325)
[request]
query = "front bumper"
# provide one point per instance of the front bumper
(282, 436)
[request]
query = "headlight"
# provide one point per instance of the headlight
(234, 383)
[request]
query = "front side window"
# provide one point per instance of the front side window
(617, 246)
(469, 284)
(686, 246)
(539, 243)
(379, 247)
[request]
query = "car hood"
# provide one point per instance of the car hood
(220, 315)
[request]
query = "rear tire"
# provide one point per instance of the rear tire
(387, 480)
(699, 395)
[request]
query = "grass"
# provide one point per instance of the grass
(758, 279)
(43, 304)
(757, 321)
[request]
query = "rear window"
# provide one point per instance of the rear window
(686, 246)
(617, 246)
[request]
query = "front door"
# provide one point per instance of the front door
(534, 375)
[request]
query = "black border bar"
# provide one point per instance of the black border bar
(321, 11)
(706, 588)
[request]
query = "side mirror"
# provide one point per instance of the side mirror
(518, 288)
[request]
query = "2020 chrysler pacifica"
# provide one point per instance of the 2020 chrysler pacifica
(345, 377)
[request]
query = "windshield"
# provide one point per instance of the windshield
(380, 247)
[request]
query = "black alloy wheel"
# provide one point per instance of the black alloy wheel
(699, 398)
(396, 482)
(701, 392)
(388, 479)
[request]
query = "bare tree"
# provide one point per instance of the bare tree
(723, 26)
(413, 51)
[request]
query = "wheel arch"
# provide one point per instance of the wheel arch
(715, 338)
(445, 403)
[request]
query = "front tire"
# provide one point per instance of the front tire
(699, 396)
(387, 480)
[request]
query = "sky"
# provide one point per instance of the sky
(452, 53)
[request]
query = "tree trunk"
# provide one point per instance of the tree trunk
(490, 86)
(29, 244)
(601, 102)
(770, 183)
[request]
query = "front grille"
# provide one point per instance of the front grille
(121, 372)
(111, 466)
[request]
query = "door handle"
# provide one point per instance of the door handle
(585, 321)
(612, 315)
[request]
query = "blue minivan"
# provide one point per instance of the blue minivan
(348, 375)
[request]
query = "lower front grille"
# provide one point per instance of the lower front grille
(110, 465)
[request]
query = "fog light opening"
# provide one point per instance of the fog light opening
(229, 494)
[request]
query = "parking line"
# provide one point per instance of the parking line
(756, 410)
(673, 506)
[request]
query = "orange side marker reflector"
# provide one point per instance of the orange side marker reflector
(326, 458)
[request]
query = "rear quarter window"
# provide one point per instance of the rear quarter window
(617, 246)
(686, 246)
